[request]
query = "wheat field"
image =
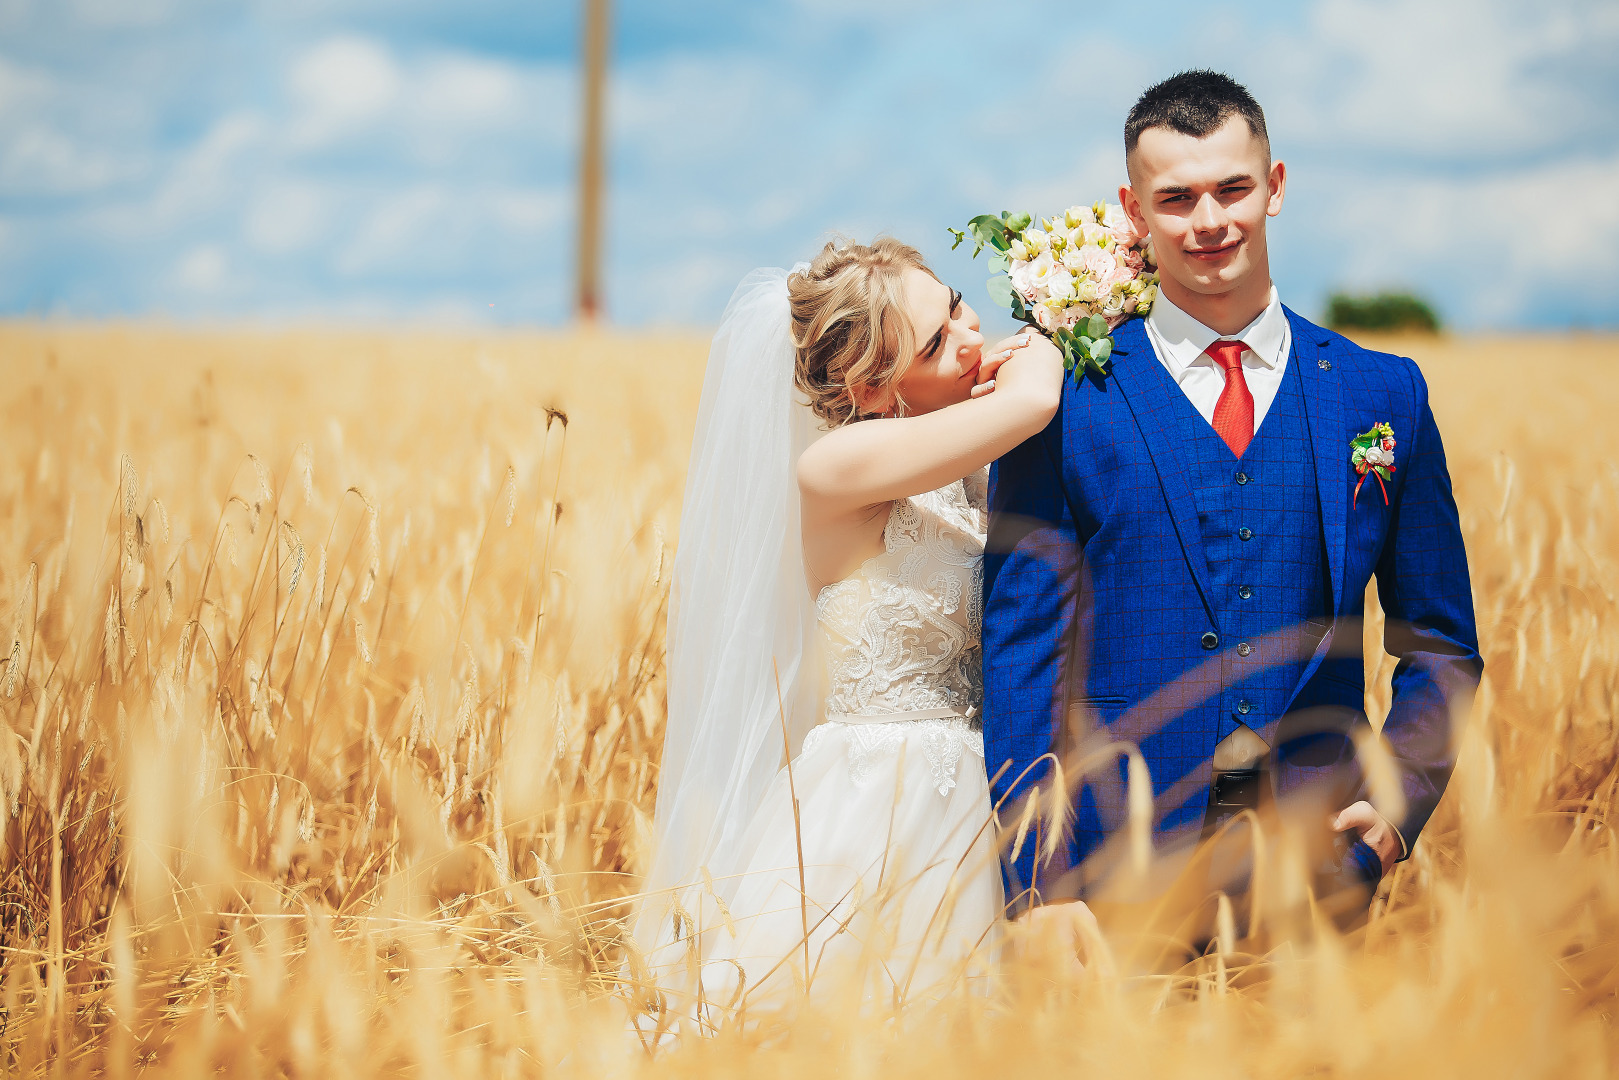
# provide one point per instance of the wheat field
(333, 698)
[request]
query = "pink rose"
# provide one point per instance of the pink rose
(1099, 263)
(1121, 274)
(1388, 444)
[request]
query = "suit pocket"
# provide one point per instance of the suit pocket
(1099, 701)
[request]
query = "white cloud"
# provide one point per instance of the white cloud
(22, 88)
(41, 160)
(1497, 248)
(529, 210)
(394, 227)
(287, 216)
(201, 180)
(203, 269)
(1477, 78)
(469, 90)
(340, 85)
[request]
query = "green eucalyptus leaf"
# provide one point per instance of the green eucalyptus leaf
(1019, 221)
(1097, 327)
(999, 261)
(1101, 349)
(959, 235)
(1000, 290)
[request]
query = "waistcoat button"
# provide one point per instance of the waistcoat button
(1211, 640)
(1244, 649)
(1245, 592)
(1244, 708)
(1242, 478)
(1245, 533)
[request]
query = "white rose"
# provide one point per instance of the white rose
(1086, 290)
(1073, 257)
(1044, 268)
(1061, 286)
(1022, 275)
(1020, 251)
(1036, 240)
(1078, 215)
(1376, 455)
(1096, 234)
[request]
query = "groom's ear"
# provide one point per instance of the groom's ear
(1278, 188)
(1132, 209)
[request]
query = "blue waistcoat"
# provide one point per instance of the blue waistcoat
(1261, 534)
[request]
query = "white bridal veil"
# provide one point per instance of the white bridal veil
(740, 612)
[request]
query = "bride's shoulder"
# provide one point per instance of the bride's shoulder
(823, 467)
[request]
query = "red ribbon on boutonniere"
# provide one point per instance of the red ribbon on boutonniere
(1372, 453)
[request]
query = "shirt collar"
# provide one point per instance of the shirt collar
(1184, 339)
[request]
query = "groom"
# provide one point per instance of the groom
(1179, 560)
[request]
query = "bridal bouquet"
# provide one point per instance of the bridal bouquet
(1075, 276)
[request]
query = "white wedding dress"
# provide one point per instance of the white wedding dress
(871, 691)
(901, 889)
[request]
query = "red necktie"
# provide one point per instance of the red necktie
(1234, 412)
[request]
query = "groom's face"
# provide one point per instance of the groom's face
(1204, 202)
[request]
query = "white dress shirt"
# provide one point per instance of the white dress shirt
(1180, 341)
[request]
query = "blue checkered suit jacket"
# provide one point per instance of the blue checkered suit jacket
(1097, 595)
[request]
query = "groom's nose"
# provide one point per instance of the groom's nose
(1208, 215)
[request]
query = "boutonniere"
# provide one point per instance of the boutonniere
(1372, 454)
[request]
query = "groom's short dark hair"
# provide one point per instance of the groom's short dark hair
(1194, 103)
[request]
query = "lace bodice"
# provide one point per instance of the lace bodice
(901, 634)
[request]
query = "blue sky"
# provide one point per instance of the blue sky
(407, 162)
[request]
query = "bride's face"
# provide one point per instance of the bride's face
(948, 346)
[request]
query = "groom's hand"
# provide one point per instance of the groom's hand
(1057, 932)
(1373, 828)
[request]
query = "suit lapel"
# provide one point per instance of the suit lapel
(1324, 417)
(1147, 388)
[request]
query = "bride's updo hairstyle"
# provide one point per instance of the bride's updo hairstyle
(849, 324)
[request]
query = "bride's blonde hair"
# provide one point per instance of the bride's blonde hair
(849, 324)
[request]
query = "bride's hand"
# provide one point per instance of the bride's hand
(1033, 371)
(994, 357)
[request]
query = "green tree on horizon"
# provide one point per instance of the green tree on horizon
(1385, 311)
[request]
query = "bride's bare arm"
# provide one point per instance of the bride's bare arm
(859, 467)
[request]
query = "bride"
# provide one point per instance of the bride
(825, 612)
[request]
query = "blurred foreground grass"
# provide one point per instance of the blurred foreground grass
(330, 725)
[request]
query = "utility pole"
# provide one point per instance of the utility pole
(591, 167)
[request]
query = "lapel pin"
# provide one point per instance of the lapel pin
(1324, 364)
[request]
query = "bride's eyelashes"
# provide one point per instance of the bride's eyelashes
(938, 338)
